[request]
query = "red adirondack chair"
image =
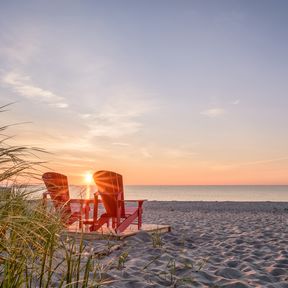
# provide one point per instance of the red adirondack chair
(57, 189)
(110, 189)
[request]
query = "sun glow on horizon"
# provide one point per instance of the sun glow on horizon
(88, 178)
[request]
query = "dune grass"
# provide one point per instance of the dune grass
(32, 251)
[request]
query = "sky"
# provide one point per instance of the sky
(162, 92)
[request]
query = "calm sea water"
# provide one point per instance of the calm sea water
(198, 193)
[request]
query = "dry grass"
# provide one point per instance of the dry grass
(32, 253)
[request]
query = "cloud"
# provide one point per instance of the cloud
(121, 144)
(113, 125)
(179, 153)
(85, 116)
(19, 44)
(145, 153)
(251, 163)
(266, 161)
(236, 102)
(214, 112)
(22, 85)
(118, 117)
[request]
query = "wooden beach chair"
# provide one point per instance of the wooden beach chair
(57, 189)
(110, 189)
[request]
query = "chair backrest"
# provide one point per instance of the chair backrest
(110, 186)
(57, 186)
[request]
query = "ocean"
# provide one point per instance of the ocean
(197, 193)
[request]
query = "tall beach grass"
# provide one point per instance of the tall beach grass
(32, 251)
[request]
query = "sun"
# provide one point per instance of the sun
(88, 178)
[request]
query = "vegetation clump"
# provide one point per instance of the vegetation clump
(32, 251)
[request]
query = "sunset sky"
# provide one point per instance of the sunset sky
(163, 92)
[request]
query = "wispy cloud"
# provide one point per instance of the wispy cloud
(121, 144)
(85, 116)
(113, 125)
(180, 152)
(266, 161)
(19, 45)
(22, 85)
(119, 117)
(213, 113)
(236, 102)
(145, 153)
(251, 163)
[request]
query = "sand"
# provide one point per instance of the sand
(212, 244)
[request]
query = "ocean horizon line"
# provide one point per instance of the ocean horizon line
(165, 185)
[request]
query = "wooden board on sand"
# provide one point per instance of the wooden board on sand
(74, 231)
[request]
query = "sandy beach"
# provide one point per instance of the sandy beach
(212, 244)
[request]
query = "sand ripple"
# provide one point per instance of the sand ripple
(212, 244)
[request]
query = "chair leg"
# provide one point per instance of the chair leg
(139, 219)
(140, 210)
(99, 223)
(80, 216)
(113, 223)
(124, 224)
